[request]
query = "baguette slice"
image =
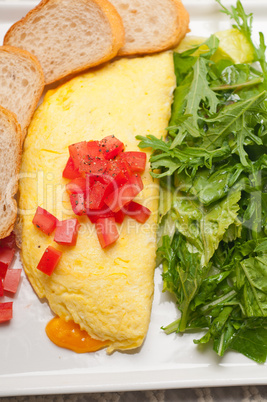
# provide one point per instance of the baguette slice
(69, 36)
(10, 155)
(21, 83)
(151, 25)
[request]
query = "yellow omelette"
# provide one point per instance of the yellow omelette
(107, 292)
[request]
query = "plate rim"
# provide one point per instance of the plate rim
(82, 381)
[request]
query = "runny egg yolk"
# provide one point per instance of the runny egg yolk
(69, 335)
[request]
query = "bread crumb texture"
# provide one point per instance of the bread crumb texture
(66, 36)
(21, 83)
(152, 25)
(10, 152)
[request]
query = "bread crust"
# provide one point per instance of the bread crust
(11, 117)
(180, 29)
(14, 51)
(109, 11)
(117, 27)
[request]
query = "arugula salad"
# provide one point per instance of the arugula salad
(212, 236)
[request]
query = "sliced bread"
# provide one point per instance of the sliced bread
(151, 25)
(10, 154)
(21, 83)
(69, 36)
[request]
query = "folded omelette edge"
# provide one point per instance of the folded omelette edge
(108, 292)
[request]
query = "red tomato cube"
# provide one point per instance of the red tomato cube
(120, 197)
(6, 258)
(136, 160)
(78, 204)
(95, 150)
(44, 221)
(1, 288)
(137, 212)
(115, 182)
(70, 172)
(104, 212)
(118, 174)
(9, 241)
(67, 232)
(125, 194)
(3, 269)
(93, 166)
(78, 153)
(6, 311)
(107, 231)
(96, 195)
(119, 170)
(78, 185)
(136, 183)
(11, 281)
(49, 260)
(112, 147)
(91, 179)
(119, 216)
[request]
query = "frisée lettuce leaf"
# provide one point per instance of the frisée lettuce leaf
(212, 235)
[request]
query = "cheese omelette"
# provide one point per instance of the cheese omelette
(108, 292)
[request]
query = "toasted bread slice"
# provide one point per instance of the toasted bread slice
(10, 155)
(21, 83)
(69, 36)
(151, 25)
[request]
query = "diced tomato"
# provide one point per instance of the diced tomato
(9, 241)
(44, 221)
(136, 160)
(113, 168)
(106, 185)
(119, 168)
(70, 172)
(116, 182)
(120, 197)
(11, 281)
(113, 201)
(78, 204)
(92, 178)
(112, 147)
(104, 212)
(125, 194)
(1, 288)
(67, 232)
(3, 269)
(78, 185)
(6, 258)
(107, 231)
(95, 150)
(118, 174)
(78, 153)
(96, 195)
(137, 183)
(119, 216)
(125, 168)
(137, 211)
(93, 166)
(6, 311)
(49, 260)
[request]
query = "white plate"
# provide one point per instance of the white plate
(31, 364)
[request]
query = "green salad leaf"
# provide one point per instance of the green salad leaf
(212, 229)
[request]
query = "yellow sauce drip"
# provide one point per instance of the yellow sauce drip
(69, 335)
